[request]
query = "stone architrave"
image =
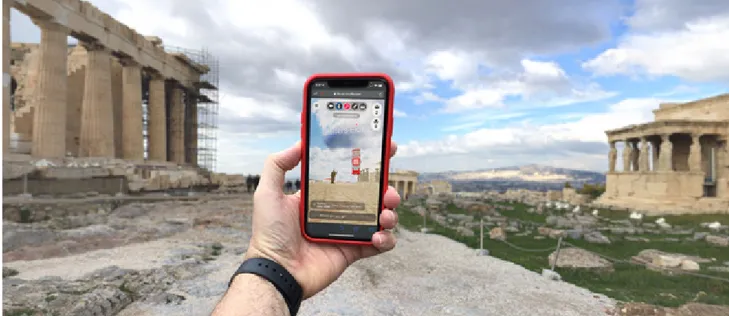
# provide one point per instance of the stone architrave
(49, 119)
(177, 126)
(612, 157)
(665, 159)
(695, 154)
(627, 156)
(643, 163)
(157, 121)
(132, 129)
(6, 77)
(97, 112)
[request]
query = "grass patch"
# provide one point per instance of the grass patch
(19, 312)
(520, 212)
(628, 283)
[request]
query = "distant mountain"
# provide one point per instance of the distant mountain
(533, 177)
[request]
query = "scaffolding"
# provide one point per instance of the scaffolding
(206, 121)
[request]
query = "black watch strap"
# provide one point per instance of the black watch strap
(278, 276)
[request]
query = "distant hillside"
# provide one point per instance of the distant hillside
(533, 177)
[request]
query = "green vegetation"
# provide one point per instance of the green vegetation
(24, 215)
(593, 190)
(19, 312)
(520, 212)
(629, 282)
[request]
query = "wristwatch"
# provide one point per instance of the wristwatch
(278, 276)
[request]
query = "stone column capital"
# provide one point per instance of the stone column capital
(49, 24)
(666, 137)
(92, 46)
(128, 62)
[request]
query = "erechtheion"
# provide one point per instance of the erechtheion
(676, 164)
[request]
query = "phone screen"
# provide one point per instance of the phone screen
(346, 135)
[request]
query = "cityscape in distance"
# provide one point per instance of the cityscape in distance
(533, 177)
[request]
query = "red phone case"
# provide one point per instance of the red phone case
(305, 161)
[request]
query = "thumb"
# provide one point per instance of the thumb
(276, 165)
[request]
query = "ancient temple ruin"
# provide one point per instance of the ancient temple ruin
(117, 94)
(679, 163)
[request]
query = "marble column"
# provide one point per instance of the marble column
(97, 111)
(6, 77)
(157, 121)
(654, 149)
(627, 156)
(49, 118)
(643, 160)
(665, 159)
(612, 157)
(694, 160)
(177, 126)
(192, 138)
(132, 129)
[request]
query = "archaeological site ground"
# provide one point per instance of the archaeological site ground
(112, 204)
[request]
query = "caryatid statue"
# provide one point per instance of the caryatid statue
(612, 156)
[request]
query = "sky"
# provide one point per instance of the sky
(481, 84)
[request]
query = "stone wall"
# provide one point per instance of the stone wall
(571, 196)
(138, 177)
(710, 109)
(655, 185)
(108, 185)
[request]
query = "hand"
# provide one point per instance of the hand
(277, 232)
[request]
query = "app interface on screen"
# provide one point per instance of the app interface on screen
(345, 151)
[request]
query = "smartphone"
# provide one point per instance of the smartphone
(346, 126)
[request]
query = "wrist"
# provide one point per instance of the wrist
(269, 275)
(256, 293)
(260, 252)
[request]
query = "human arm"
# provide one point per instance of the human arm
(251, 295)
(276, 236)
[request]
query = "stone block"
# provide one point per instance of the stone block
(74, 173)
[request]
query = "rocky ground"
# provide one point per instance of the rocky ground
(175, 258)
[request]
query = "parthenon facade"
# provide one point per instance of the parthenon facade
(678, 163)
(86, 101)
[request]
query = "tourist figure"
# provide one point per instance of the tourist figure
(333, 176)
(297, 184)
(288, 186)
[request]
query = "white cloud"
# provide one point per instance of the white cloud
(540, 83)
(513, 144)
(698, 52)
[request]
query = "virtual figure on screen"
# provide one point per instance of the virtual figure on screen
(334, 176)
(249, 183)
